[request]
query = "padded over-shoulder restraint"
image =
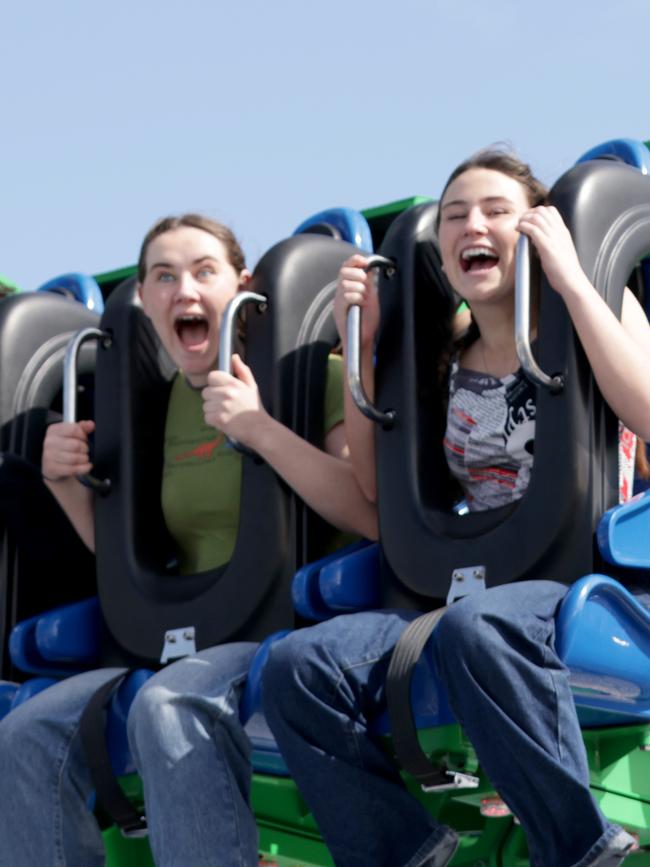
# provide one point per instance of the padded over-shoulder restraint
(549, 532)
(287, 348)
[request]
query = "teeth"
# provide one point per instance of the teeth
(474, 252)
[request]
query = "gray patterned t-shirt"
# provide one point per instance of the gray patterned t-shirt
(490, 435)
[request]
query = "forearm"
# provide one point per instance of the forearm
(359, 431)
(77, 503)
(326, 483)
(619, 359)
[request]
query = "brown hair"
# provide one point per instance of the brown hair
(500, 159)
(194, 221)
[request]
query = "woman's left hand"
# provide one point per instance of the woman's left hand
(232, 403)
(554, 244)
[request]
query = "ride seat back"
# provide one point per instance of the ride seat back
(287, 347)
(549, 532)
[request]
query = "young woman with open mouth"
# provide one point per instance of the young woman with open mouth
(493, 650)
(184, 727)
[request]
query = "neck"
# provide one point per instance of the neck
(495, 350)
(196, 382)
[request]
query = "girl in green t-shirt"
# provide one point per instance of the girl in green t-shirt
(184, 729)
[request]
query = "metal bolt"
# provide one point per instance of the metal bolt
(188, 635)
(171, 639)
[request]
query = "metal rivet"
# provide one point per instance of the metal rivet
(171, 639)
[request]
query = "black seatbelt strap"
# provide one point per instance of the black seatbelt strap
(398, 695)
(92, 730)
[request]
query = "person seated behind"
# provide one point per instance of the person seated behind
(494, 650)
(188, 743)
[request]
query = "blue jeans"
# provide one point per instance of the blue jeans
(188, 745)
(494, 651)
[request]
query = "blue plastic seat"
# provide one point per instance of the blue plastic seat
(628, 150)
(603, 636)
(345, 581)
(348, 224)
(81, 287)
(60, 642)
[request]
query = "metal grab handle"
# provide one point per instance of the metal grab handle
(226, 341)
(101, 486)
(355, 384)
(522, 321)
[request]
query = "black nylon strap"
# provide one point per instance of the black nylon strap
(398, 695)
(92, 730)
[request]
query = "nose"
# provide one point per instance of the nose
(475, 221)
(186, 286)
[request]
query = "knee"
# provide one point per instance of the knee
(149, 717)
(467, 632)
(294, 668)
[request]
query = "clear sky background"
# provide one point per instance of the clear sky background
(261, 112)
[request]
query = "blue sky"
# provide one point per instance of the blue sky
(260, 113)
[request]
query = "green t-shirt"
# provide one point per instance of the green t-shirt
(201, 483)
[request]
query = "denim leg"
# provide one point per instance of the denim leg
(194, 758)
(510, 692)
(322, 687)
(44, 782)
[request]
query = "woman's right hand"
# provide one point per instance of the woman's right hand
(65, 450)
(357, 286)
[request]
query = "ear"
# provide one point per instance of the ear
(141, 297)
(244, 279)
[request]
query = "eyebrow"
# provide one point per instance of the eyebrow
(486, 199)
(195, 262)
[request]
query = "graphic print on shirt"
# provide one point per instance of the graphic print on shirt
(490, 435)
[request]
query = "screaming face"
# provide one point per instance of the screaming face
(188, 284)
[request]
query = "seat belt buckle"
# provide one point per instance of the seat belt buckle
(457, 780)
(136, 831)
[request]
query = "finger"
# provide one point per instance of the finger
(217, 379)
(242, 371)
(356, 260)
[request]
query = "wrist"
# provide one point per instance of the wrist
(261, 432)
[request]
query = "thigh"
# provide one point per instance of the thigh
(52, 715)
(342, 661)
(209, 672)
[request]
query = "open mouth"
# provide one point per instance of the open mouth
(478, 259)
(192, 331)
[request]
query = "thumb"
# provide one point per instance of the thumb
(87, 426)
(242, 371)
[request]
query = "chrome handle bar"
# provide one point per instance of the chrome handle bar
(226, 342)
(355, 384)
(101, 486)
(522, 321)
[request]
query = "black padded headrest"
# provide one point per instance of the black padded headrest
(286, 346)
(549, 532)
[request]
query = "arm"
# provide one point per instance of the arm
(355, 286)
(65, 456)
(324, 479)
(618, 351)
